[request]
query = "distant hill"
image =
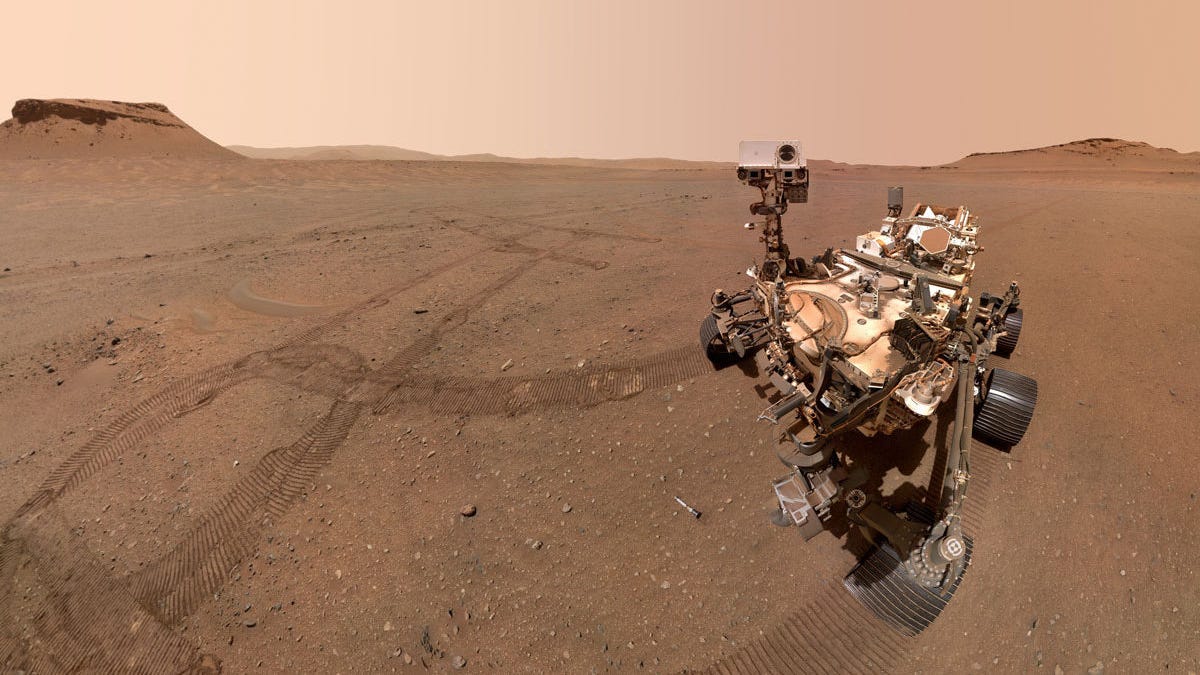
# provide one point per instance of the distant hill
(319, 152)
(385, 152)
(1089, 153)
(85, 128)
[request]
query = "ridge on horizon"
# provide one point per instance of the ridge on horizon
(1088, 149)
(49, 128)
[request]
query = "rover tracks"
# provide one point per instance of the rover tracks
(832, 634)
(835, 632)
(580, 388)
(63, 610)
(174, 585)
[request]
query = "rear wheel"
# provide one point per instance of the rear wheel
(1012, 332)
(1007, 408)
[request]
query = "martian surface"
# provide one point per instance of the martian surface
(328, 412)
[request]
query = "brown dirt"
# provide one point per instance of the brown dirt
(217, 484)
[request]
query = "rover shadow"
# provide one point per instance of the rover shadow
(869, 460)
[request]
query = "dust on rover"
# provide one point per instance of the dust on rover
(874, 339)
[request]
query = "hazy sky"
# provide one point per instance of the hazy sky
(886, 82)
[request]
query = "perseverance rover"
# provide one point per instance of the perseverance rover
(874, 339)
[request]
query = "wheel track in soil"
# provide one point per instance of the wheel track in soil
(88, 602)
(126, 621)
(833, 632)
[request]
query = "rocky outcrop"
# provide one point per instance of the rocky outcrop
(85, 128)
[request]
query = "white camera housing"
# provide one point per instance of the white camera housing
(780, 162)
(771, 155)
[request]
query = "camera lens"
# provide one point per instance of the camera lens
(786, 153)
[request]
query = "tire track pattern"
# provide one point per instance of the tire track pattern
(835, 633)
(140, 422)
(582, 388)
(89, 620)
(101, 630)
(831, 634)
(173, 586)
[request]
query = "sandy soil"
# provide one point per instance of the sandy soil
(243, 404)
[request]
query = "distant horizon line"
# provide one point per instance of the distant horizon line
(432, 156)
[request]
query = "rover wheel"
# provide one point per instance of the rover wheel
(1012, 332)
(1007, 408)
(714, 347)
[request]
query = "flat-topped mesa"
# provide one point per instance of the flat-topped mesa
(93, 129)
(29, 110)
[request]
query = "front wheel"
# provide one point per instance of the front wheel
(713, 345)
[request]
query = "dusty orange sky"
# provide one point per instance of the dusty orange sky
(885, 82)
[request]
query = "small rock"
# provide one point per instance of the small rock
(536, 544)
(387, 626)
(507, 364)
(566, 508)
(59, 382)
(407, 659)
(1097, 669)
(116, 341)
(468, 510)
(1058, 670)
(109, 321)
(249, 623)
(420, 310)
(458, 662)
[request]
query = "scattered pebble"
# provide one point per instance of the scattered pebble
(566, 508)
(507, 364)
(249, 623)
(468, 510)
(458, 662)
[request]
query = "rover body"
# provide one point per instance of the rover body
(872, 340)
